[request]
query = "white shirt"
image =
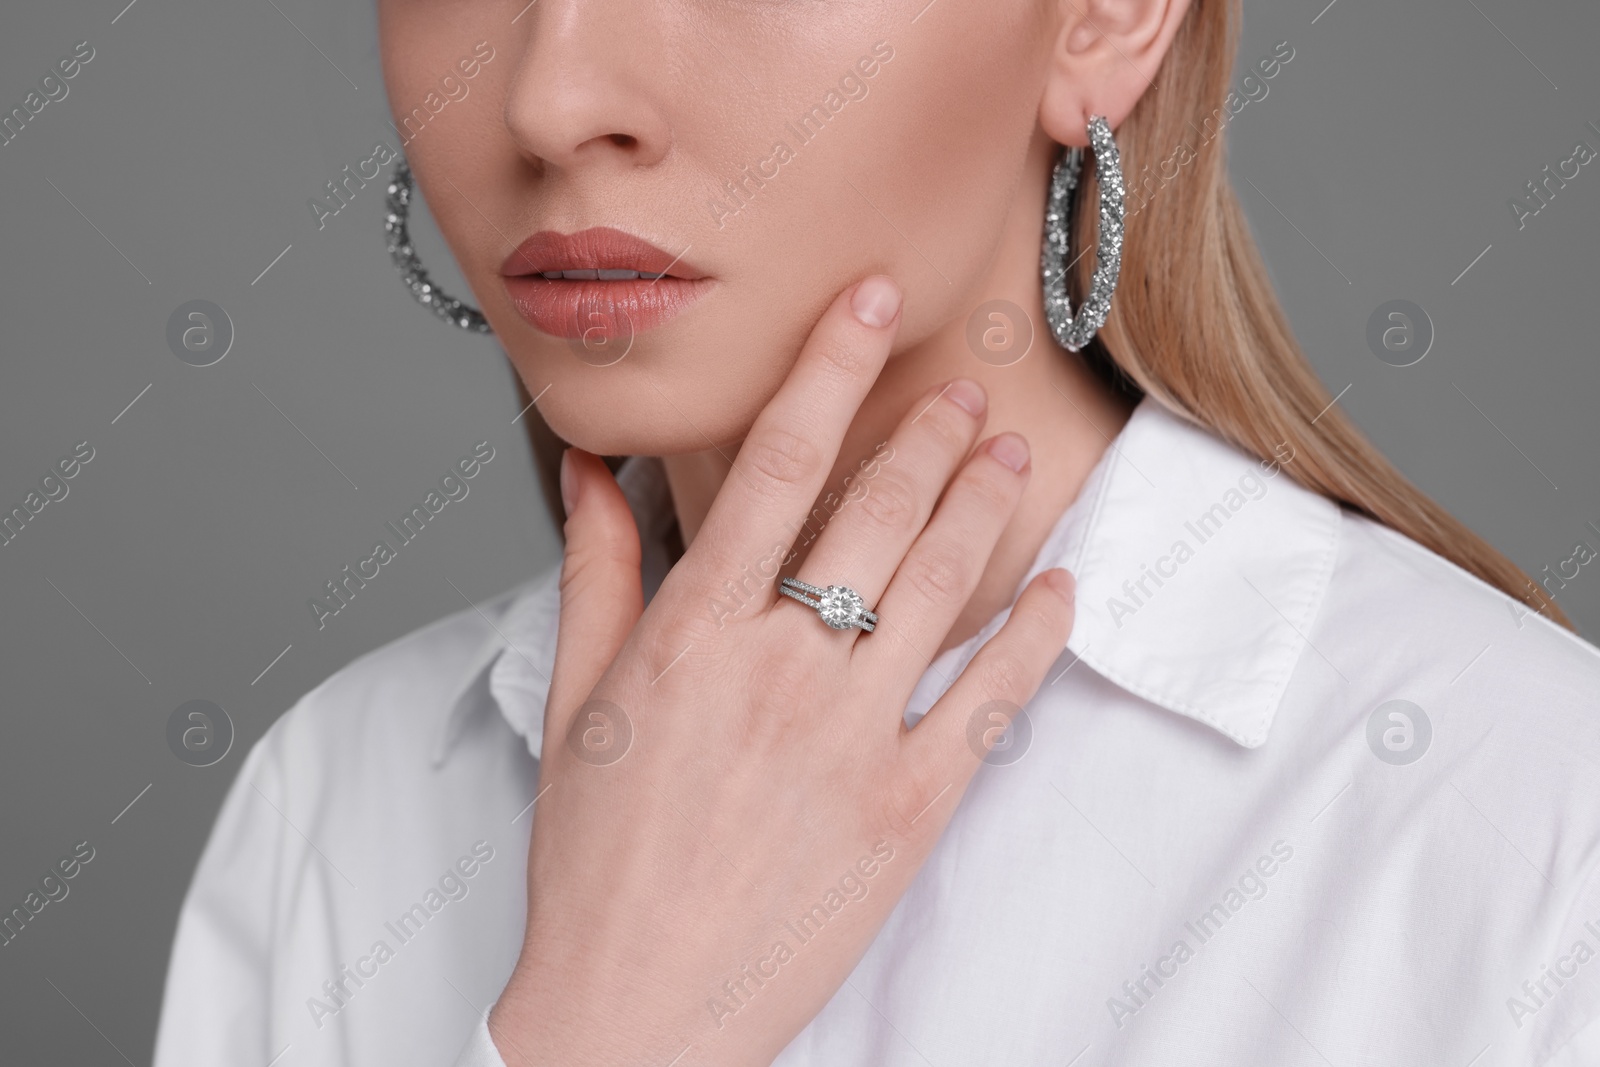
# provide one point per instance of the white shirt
(1200, 857)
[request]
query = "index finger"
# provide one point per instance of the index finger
(787, 456)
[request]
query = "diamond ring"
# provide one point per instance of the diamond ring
(838, 605)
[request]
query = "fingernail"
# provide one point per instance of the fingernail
(968, 396)
(1062, 581)
(876, 301)
(569, 482)
(1010, 449)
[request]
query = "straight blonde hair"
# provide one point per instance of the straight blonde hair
(1196, 326)
(1195, 323)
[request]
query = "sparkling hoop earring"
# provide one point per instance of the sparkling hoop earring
(1074, 332)
(397, 225)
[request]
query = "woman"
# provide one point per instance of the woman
(1133, 709)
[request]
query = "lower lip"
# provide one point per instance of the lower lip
(601, 311)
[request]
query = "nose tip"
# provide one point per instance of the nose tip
(587, 86)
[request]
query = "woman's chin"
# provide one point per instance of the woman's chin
(629, 427)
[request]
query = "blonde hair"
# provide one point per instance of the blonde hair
(1196, 326)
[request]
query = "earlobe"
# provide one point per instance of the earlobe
(1106, 55)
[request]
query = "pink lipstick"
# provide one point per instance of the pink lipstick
(598, 284)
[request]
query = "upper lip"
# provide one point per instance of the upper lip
(599, 248)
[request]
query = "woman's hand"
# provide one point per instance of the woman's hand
(730, 803)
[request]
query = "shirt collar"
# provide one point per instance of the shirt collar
(510, 670)
(1200, 570)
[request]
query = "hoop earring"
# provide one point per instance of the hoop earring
(1073, 332)
(397, 225)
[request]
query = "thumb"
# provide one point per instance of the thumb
(601, 594)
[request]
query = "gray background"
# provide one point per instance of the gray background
(1377, 167)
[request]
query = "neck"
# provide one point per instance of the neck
(1066, 413)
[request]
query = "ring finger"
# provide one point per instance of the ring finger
(879, 517)
(941, 571)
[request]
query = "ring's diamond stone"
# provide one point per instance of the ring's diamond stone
(840, 607)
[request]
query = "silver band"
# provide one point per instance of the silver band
(838, 605)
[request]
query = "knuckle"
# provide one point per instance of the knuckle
(582, 567)
(890, 502)
(951, 426)
(840, 355)
(783, 458)
(674, 659)
(896, 814)
(573, 568)
(990, 492)
(694, 624)
(1045, 617)
(903, 805)
(783, 693)
(1003, 675)
(938, 573)
(721, 593)
(1041, 618)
